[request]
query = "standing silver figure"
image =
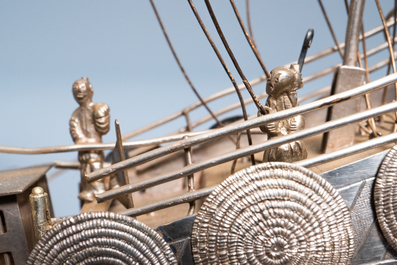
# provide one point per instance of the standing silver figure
(281, 87)
(88, 123)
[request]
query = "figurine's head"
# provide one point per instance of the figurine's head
(82, 91)
(283, 79)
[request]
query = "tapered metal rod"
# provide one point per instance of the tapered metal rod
(362, 26)
(250, 42)
(240, 97)
(246, 151)
(356, 11)
(186, 198)
(181, 67)
(235, 128)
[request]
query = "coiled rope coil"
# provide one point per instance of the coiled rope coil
(385, 197)
(273, 213)
(101, 238)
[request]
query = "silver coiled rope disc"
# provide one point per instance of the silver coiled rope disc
(273, 213)
(101, 238)
(385, 197)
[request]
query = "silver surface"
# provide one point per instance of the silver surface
(281, 88)
(16, 224)
(121, 178)
(273, 213)
(101, 238)
(16, 181)
(346, 78)
(385, 197)
(356, 11)
(41, 216)
(87, 125)
(355, 183)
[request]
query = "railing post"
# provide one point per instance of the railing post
(189, 178)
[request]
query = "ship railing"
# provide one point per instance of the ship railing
(239, 153)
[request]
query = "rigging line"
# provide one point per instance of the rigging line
(181, 67)
(371, 121)
(240, 97)
(235, 161)
(330, 28)
(257, 55)
(252, 45)
(394, 41)
(247, 3)
(231, 55)
(386, 30)
(394, 33)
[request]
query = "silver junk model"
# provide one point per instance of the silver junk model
(314, 185)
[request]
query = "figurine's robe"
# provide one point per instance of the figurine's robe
(289, 152)
(87, 126)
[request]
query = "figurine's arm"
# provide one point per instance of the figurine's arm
(75, 130)
(271, 127)
(297, 123)
(102, 118)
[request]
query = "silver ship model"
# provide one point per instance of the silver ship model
(305, 180)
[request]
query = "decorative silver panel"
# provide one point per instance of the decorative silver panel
(101, 238)
(385, 197)
(273, 213)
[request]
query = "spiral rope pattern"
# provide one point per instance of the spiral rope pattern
(273, 213)
(385, 197)
(101, 238)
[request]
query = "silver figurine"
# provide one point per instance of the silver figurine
(87, 125)
(281, 87)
